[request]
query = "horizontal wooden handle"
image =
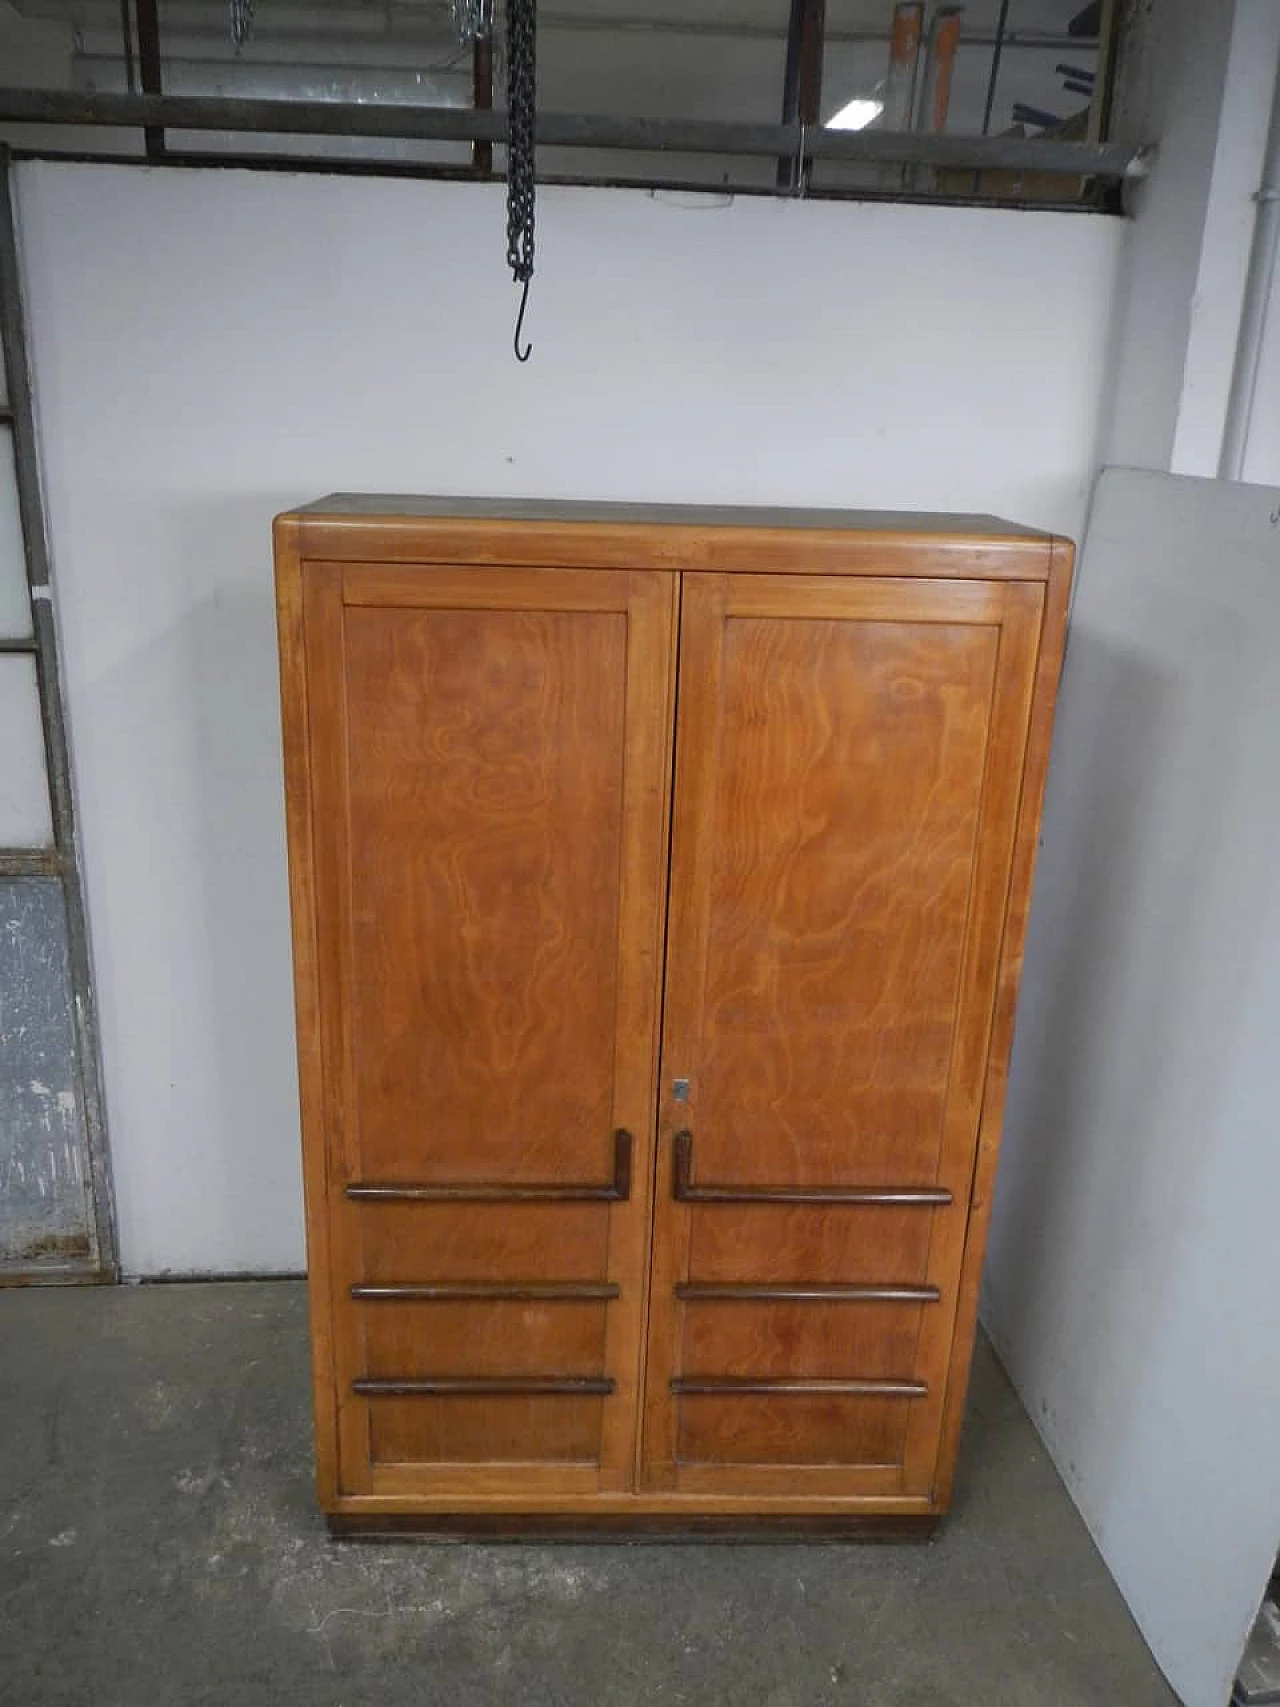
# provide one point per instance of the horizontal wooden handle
(618, 1189)
(762, 1292)
(489, 1386)
(483, 1291)
(684, 1190)
(726, 1385)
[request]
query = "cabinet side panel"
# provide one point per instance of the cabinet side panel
(1052, 644)
(300, 828)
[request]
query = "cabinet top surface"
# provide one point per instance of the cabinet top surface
(368, 506)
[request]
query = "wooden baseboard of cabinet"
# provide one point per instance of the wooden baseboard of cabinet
(613, 1526)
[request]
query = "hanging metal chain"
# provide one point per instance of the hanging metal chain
(522, 26)
(241, 21)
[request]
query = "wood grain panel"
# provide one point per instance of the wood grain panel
(484, 753)
(482, 1338)
(791, 1429)
(810, 1339)
(842, 834)
(473, 1241)
(811, 1244)
(512, 1428)
(836, 879)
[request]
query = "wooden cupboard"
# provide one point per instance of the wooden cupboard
(659, 883)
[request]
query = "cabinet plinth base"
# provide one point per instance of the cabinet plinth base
(611, 1526)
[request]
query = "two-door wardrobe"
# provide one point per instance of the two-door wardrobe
(659, 884)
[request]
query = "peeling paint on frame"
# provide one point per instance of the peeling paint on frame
(46, 1208)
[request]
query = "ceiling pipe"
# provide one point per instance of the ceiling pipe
(1256, 306)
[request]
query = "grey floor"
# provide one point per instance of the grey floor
(158, 1544)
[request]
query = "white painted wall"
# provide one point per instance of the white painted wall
(1133, 1276)
(212, 347)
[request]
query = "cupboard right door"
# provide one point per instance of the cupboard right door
(849, 757)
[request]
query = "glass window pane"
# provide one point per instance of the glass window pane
(25, 821)
(15, 606)
(400, 54)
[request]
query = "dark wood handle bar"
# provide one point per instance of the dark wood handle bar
(686, 1384)
(685, 1191)
(618, 1190)
(550, 1292)
(459, 1386)
(700, 1292)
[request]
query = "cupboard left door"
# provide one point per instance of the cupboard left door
(478, 764)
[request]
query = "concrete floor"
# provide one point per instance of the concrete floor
(159, 1544)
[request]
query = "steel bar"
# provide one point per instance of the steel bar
(802, 81)
(126, 45)
(149, 69)
(428, 171)
(563, 130)
(482, 99)
(1108, 42)
(997, 53)
(64, 858)
(791, 85)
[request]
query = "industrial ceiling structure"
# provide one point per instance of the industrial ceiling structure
(1008, 98)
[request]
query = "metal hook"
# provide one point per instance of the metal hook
(524, 303)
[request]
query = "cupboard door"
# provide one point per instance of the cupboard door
(848, 771)
(489, 762)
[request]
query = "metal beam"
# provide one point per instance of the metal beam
(149, 68)
(802, 80)
(996, 53)
(126, 45)
(482, 99)
(1110, 160)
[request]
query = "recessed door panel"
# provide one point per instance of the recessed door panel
(847, 780)
(490, 757)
